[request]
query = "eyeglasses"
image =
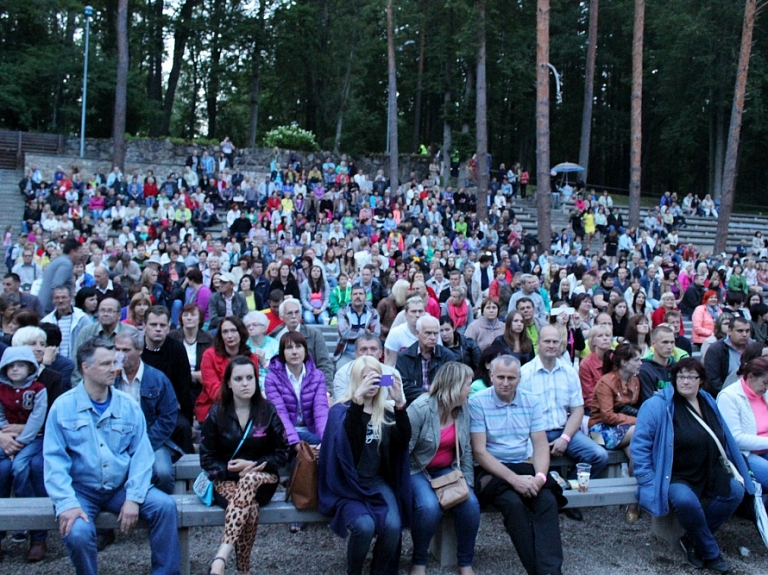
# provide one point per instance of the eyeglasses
(688, 377)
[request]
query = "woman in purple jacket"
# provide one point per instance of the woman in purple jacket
(297, 389)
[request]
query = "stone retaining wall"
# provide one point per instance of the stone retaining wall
(163, 156)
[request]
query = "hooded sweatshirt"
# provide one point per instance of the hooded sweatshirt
(26, 403)
(654, 377)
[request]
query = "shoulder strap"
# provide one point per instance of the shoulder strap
(731, 467)
(245, 434)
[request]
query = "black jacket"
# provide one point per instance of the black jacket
(466, 351)
(265, 443)
(717, 365)
(409, 366)
(691, 299)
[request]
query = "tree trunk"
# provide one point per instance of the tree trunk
(180, 36)
(258, 42)
(589, 89)
(481, 119)
(155, 75)
(468, 94)
(121, 85)
(636, 141)
(419, 83)
(543, 199)
(392, 101)
(343, 103)
(719, 152)
(734, 133)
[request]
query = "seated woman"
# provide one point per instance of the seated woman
(297, 389)
(464, 348)
(639, 333)
(516, 341)
(440, 429)
(364, 480)
(230, 341)
(676, 448)
(315, 297)
(745, 411)
(591, 367)
(140, 303)
(243, 464)
(615, 401)
(705, 316)
(195, 340)
(488, 327)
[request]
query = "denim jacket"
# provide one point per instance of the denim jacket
(653, 446)
(87, 451)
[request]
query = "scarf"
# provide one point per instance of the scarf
(458, 314)
(713, 311)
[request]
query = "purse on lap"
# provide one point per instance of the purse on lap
(451, 489)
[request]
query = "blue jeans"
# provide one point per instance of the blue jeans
(176, 306)
(163, 472)
(427, 514)
(158, 509)
(583, 450)
(24, 476)
(312, 319)
(759, 466)
(700, 524)
(363, 528)
(150, 201)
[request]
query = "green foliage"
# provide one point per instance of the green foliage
(291, 138)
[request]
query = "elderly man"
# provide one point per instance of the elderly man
(98, 457)
(558, 388)
(355, 319)
(419, 363)
(529, 287)
(367, 344)
(509, 443)
(226, 302)
(107, 327)
(404, 335)
(106, 288)
(12, 284)
(290, 313)
(70, 319)
(59, 272)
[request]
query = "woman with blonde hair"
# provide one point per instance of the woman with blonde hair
(391, 305)
(440, 428)
(140, 303)
(364, 480)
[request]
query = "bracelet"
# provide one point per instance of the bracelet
(566, 437)
(542, 476)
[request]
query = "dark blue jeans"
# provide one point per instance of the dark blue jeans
(583, 450)
(24, 476)
(158, 509)
(363, 528)
(427, 514)
(701, 523)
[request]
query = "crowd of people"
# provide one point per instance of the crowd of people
(138, 334)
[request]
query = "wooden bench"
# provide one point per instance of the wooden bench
(616, 458)
(601, 493)
(38, 513)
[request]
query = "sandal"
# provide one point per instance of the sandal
(214, 561)
(632, 513)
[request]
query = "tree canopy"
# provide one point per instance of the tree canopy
(203, 68)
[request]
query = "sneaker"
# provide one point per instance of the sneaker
(690, 553)
(718, 565)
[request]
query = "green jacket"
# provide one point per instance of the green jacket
(339, 299)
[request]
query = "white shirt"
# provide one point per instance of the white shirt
(296, 383)
(341, 379)
(400, 338)
(558, 390)
(132, 388)
(191, 353)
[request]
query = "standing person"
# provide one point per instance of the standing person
(170, 357)
(59, 272)
(364, 479)
(71, 320)
(678, 464)
(559, 389)
(91, 467)
(513, 458)
(439, 424)
(242, 465)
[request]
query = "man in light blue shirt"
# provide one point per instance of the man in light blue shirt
(98, 457)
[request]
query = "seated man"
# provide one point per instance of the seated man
(558, 388)
(419, 363)
(367, 344)
(98, 457)
(356, 319)
(507, 431)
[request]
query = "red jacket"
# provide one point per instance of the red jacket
(212, 369)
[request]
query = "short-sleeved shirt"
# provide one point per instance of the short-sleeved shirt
(507, 426)
(558, 390)
(400, 338)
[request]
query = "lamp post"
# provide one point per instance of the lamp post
(88, 13)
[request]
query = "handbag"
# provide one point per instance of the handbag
(203, 486)
(724, 461)
(451, 489)
(302, 485)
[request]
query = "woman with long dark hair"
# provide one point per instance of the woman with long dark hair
(516, 341)
(315, 297)
(242, 448)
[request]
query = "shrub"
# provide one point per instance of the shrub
(290, 138)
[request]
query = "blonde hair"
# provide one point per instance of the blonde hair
(381, 406)
(598, 330)
(400, 292)
(446, 387)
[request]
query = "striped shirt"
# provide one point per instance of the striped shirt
(65, 325)
(507, 426)
(559, 390)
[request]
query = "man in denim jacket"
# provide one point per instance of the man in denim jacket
(112, 473)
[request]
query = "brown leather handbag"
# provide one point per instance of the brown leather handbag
(302, 486)
(451, 489)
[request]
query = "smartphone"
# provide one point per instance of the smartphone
(387, 381)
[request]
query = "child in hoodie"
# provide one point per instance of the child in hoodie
(23, 401)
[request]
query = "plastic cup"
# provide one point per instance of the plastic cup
(583, 471)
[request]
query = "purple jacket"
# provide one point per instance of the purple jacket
(314, 398)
